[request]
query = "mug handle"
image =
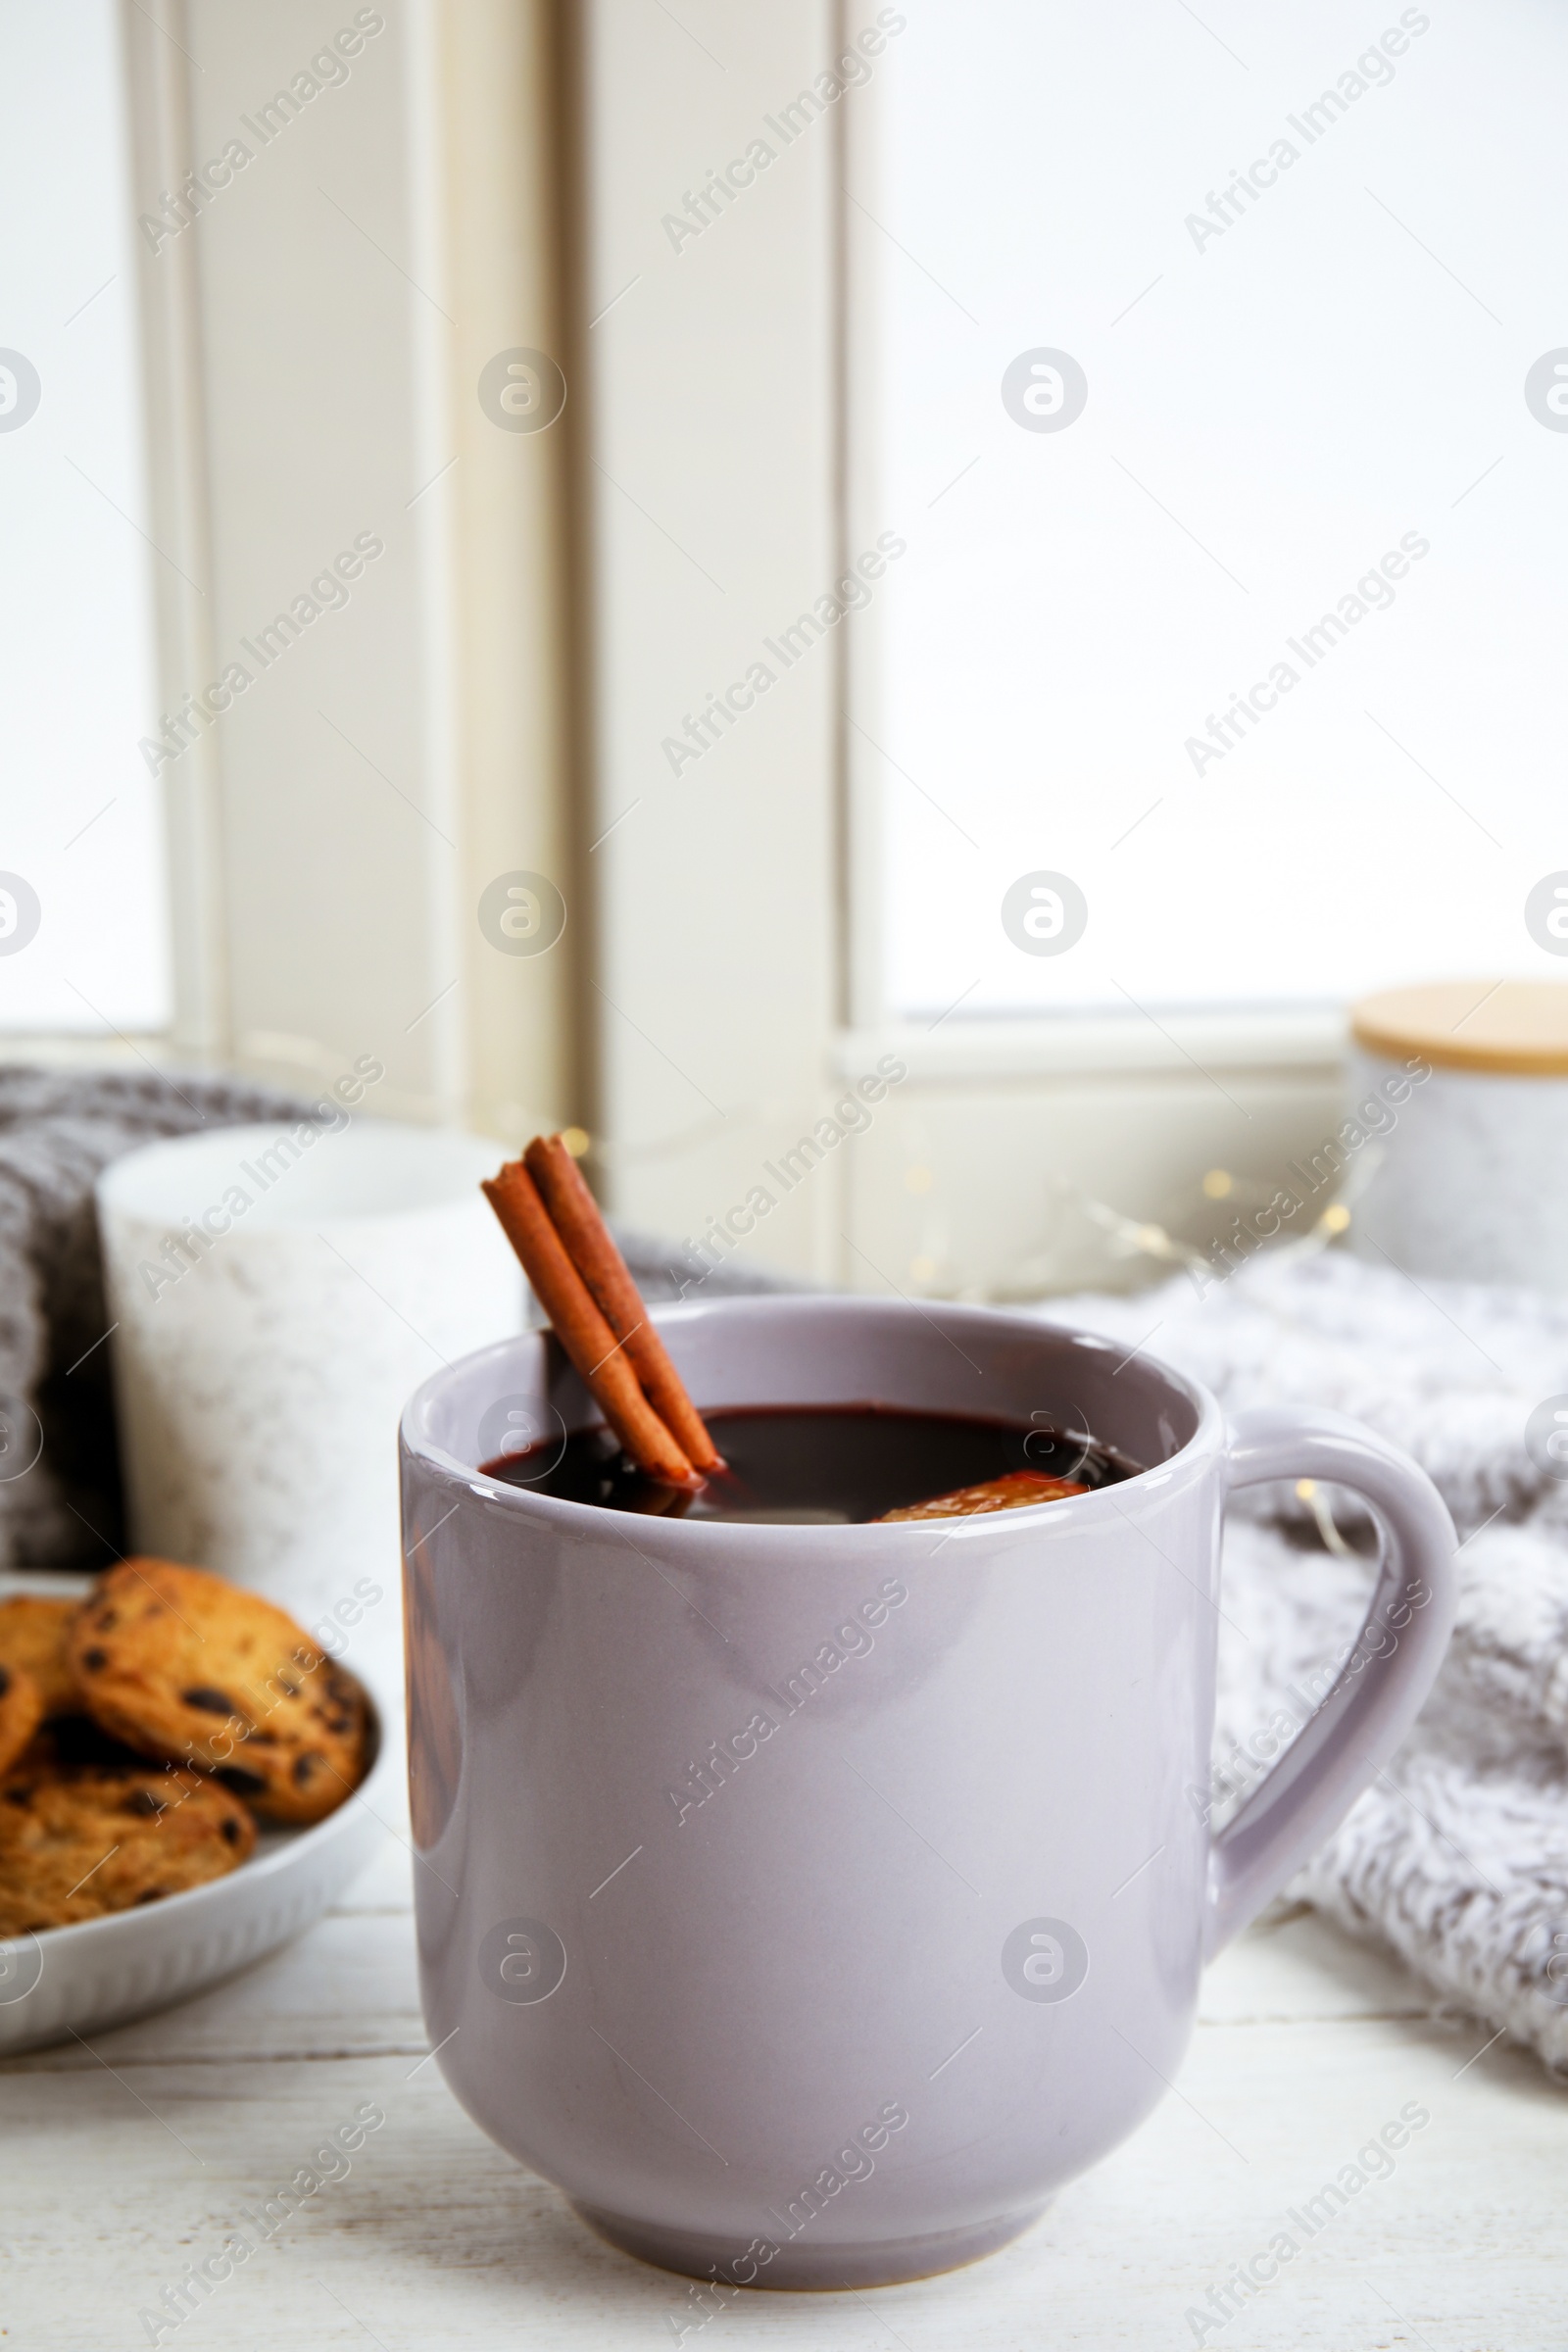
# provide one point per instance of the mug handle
(1384, 1682)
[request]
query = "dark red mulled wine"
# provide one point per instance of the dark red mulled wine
(825, 1465)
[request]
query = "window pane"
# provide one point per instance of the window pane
(1305, 473)
(81, 819)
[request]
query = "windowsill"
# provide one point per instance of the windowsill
(90, 1049)
(1102, 1044)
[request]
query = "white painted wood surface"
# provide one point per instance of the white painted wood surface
(124, 2164)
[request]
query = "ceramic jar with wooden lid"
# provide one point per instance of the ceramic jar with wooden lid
(1473, 1162)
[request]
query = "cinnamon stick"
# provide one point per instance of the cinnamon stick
(591, 1246)
(593, 1347)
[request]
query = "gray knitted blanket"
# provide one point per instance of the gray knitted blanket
(1456, 1857)
(58, 1128)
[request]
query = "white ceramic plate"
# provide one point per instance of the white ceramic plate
(104, 1972)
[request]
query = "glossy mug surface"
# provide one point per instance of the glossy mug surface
(808, 1903)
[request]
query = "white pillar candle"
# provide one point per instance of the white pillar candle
(276, 1294)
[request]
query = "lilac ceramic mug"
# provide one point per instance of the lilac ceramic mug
(810, 1902)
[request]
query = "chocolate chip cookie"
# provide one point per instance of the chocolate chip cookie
(21, 1712)
(180, 1665)
(34, 1635)
(66, 1744)
(73, 1847)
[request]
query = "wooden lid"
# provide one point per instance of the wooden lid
(1503, 1025)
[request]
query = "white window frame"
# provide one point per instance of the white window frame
(557, 603)
(445, 148)
(975, 1167)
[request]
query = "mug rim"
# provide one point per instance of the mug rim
(1066, 1511)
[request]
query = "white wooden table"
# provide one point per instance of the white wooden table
(121, 2167)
